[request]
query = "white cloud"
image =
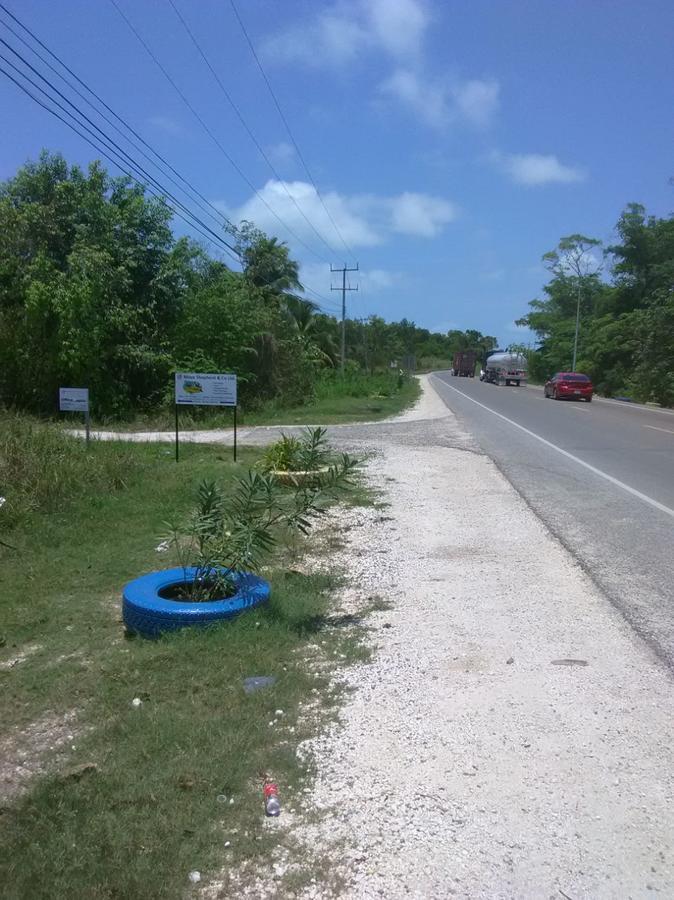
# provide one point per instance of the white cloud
(427, 100)
(351, 30)
(477, 100)
(493, 275)
(439, 102)
(340, 33)
(364, 220)
(275, 197)
(399, 25)
(534, 169)
(420, 214)
(375, 280)
(283, 152)
(164, 123)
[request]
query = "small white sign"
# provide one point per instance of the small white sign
(74, 399)
(195, 389)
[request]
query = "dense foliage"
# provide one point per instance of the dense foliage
(96, 291)
(626, 325)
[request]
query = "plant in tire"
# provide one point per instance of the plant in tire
(233, 533)
(306, 454)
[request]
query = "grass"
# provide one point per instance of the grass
(146, 811)
(357, 398)
(40, 467)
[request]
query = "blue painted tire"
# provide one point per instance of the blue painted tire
(146, 613)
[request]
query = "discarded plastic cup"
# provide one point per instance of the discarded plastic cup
(194, 876)
(221, 798)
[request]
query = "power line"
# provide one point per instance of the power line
(97, 147)
(288, 129)
(100, 149)
(119, 118)
(102, 145)
(209, 132)
(108, 142)
(248, 130)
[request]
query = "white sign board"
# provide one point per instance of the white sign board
(194, 389)
(74, 399)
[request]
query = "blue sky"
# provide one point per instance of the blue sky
(453, 144)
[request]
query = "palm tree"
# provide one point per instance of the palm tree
(314, 330)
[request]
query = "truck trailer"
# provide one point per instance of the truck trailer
(463, 363)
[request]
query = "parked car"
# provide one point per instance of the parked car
(569, 386)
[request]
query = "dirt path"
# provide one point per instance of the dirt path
(429, 406)
(511, 737)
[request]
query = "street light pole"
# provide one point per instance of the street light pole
(575, 341)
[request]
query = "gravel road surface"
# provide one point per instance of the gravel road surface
(512, 736)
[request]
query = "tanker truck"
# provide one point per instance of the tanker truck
(505, 368)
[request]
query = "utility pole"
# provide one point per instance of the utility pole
(344, 269)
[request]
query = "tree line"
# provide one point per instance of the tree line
(96, 291)
(623, 299)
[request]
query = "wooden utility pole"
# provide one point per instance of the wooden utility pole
(344, 269)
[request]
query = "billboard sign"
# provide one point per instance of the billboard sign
(198, 389)
(74, 399)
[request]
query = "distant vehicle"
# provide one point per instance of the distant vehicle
(505, 368)
(569, 386)
(464, 363)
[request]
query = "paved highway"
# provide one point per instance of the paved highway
(600, 475)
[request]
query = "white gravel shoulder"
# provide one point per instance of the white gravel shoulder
(466, 763)
(428, 406)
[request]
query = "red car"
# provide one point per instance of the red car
(569, 386)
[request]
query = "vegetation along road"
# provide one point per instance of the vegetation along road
(601, 477)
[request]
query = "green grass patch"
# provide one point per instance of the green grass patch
(41, 468)
(356, 398)
(147, 810)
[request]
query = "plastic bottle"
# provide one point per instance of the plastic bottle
(272, 804)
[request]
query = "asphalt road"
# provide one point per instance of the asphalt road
(601, 477)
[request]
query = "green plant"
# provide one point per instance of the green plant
(282, 455)
(233, 533)
(291, 454)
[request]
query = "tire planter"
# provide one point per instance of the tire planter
(299, 477)
(147, 613)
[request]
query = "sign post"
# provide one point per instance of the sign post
(76, 400)
(204, 389)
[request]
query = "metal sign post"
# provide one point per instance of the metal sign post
(76, 400)
(204, 389)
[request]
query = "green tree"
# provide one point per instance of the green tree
(88, 287)
(266, 262)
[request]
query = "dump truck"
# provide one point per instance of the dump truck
(463, 363)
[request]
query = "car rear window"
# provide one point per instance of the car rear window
(582, 378)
